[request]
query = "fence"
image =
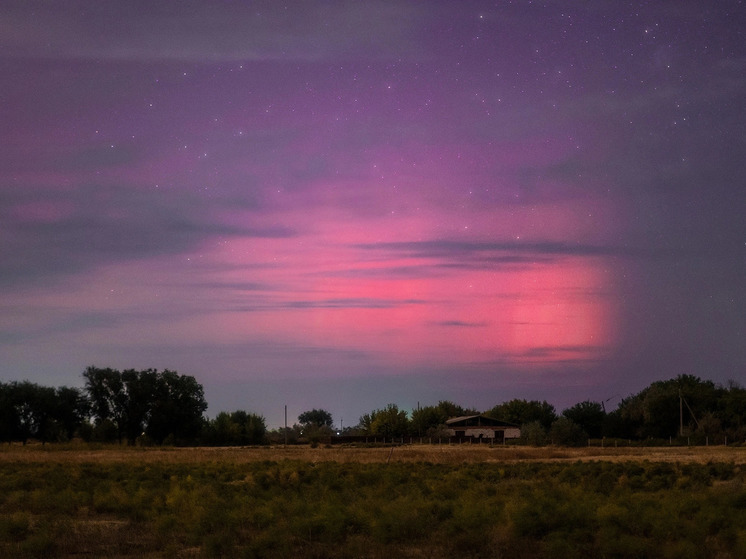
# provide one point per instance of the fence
(603, 443)
(369, 439)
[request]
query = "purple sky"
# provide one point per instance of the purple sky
(346, 204)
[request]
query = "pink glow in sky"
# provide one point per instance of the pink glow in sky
(376, 202)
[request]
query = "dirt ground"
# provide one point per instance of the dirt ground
(407, 453)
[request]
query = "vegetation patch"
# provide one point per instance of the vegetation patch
(182, 507)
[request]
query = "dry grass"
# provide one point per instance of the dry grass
(429, 501)
(407, 453)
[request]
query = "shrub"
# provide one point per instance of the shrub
(534, 434)
(326, 509)
(565, 432)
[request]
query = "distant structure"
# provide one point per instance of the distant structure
(482, 427)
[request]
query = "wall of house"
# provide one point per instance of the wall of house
(486, 432)
(477, 432)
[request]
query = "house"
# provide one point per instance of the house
(482, 427)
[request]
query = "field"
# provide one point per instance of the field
(407, 501)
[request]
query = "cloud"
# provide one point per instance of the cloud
(384, 272)
(203, 32)
(461, 324)
(51, 231)
(351, 303)
(567, 350)
(339, 303)
(492, 252)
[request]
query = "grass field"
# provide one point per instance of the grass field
(408, 501)
(445, 454)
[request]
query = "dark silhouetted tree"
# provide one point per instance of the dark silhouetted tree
(387, 422)
(426, 420)
(565, 432)
(316, 418)
(106, 393)
(732, 411)
(30, 411)
(160, 405)
(589, 416)
(139, 393)
(177, 408)
(72, 410)
(655, 411)
(534, 434)
(8, 416)
(449, 409)
(520, 412)
(430, 420)
(235, 429)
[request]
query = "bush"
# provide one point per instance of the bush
(289, 508)
(534, 434)
(565, 432)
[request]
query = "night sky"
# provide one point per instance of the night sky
(347, 204)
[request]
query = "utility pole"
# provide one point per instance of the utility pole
(681, 414)
(286, 424)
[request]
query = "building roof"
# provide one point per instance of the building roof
(477, 420)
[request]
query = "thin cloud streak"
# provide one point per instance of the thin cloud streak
(200, 33)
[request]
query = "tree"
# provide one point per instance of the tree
(14, 416)
(8, 416)
(565, 432)
(589, 416)
(449, 409)
(315, 424)
(72, 410)
(235, 428)
(252, 427)
(223, 431)
(388, 422)
(658, 410)
(366, 423)
(732, 411)
(139, 393)
(534, 434)
(281, 435)
(317, 418)
(24, 404)
(430, 420)
(177, 408)
(160, 405)
(34, 405)
(28, 410)
(521, 412)
(426, 420)
(106, 394)
(627, 421)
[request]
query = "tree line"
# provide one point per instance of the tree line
(164, 407)
(146, 407)
(686, 407)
